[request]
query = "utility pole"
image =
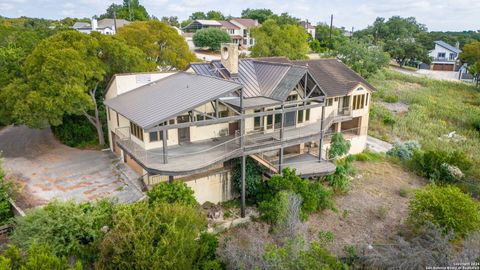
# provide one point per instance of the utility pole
(331, 28)
(242, 148)
(115, 20)
(130, 13)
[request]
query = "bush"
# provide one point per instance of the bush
(38, 257)
(163, 236)
(274, 211)
(476, 125)
(404, 150)
(76, 131)
(440, 165)
(253, 177)
(175, 192)
(368, 156)
(338, 146)
(314, 195)
(211, 38)
(6, 213)
(391, 98)
(326, 237)
(389, 119)
(339, 180)
(447, 207)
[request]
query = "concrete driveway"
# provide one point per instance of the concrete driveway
(47, 169)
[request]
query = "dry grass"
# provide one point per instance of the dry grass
(375, 208)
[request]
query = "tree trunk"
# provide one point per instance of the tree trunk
(95, 120)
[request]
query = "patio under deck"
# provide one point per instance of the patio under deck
(193, 157)
(308, 165)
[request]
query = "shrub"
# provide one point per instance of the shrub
(405, 192)
(38, 257)
(389, 119)
(314, 195)
(339, 180)
(76, 131)
(381, 212)
(275, 210)
(404, 150)
(447, 207)
(326, 237)
(175, 192)
(70, 229)
(6, 213)
(391, 98)
(253, 177)
(476, 125)
(368, 156)
(440, 165)
(211, 38)
(338, 146)
(165, 236)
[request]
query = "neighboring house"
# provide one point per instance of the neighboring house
(104, 26)
(444, 56)
(308, 27)
(238, 29)
(191, 126)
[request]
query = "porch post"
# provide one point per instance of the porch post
(170, 178)
(320, 145)
(280, 152)
(242, 146)
(165, 150)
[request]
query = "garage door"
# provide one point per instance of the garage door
(443, 67)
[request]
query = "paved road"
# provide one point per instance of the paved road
(50, 170)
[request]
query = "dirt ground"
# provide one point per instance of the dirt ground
(372, 211)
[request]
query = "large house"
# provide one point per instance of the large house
(104, 26)
(444, 56)
(308, 27)
(238, 29)
(193, 125)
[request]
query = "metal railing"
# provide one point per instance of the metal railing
(443, 59)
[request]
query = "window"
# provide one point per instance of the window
(108, 113)
(441, 55)
(257, 121)
(292, 97)
(452, 56)
(171, 122)
(118, 120)
(329, 102)
(307, 115)
(300, 116)
(278, 120)
(366, 100)
(358, 102)
(270, 120)
(153, 136)
(136, 131)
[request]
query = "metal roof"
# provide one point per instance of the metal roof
(253, 102)
(156, 102)
(209, 22)
(447, 46)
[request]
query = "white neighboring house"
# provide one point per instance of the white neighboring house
(308, 27)
(104, 26)
(245, 25)
(444, 56)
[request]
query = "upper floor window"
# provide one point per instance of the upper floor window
(329, 102)
(358, 102)
(136, 131)
(441, 55)
(452, 56)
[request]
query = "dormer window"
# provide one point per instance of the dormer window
(441, 55)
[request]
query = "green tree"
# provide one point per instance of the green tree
(471, 55)
(261, 14)
(5, 191)
(165, 236)
(199, 15)
(130, 10)
(404, 50)
(175, 192)
(338, 146)
(160, 42)
(62, 76)
(447, 207)
(285, 19)
(253, 177)
(362, 58)
(70, 229)
(211, 38)
(272, 39)
(39, 257)
(327, 39)
(172, 20)
(215, 15)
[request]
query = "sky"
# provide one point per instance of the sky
(437, 15)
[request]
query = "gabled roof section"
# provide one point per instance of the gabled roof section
(228, 25)
(156, 102)
(447, 46)
(247, 23)
(104, 23)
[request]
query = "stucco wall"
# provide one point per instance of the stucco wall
(214, 188)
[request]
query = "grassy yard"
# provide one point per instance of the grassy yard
(436, 108)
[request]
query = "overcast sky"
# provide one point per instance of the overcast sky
(436, 14)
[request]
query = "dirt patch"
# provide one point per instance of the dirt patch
(398, 107)
(373, 211)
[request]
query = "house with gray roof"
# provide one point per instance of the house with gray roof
(445, 56)
(192, 125)
(104, 26)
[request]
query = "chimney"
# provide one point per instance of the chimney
(457, 45)
(229, 57)
(94, 24)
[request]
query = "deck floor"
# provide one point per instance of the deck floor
(308, 165)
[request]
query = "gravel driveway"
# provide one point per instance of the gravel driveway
(47, 169)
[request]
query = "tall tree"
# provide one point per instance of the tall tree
(160, 42)
(273, 39)
(406, 49)
(329, 39)
(172, 20)
(63, 74)
(261, 14)
(128, 10)
(199, 15)
(211, 38)
(471, 55)
(361, 57)
(215, 15)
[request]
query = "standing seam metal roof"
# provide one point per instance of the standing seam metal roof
(154, 103)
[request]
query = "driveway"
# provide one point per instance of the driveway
(45, 169)
(431, 74)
